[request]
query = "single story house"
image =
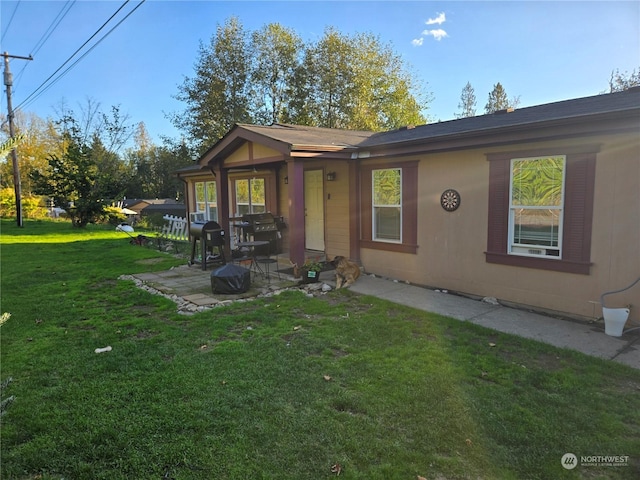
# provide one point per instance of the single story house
(537, 206)
(164, 206)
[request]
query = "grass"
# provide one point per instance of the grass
(285, 387)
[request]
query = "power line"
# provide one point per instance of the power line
(46, 85)
(59, 77)
(10, 20)
(73, 55)
(52, 27)
(48, 32)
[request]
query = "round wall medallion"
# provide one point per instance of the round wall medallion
(450, 200)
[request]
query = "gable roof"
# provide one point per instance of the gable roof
(567, 117)
(304, 137)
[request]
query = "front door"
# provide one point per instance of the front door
(313, 210)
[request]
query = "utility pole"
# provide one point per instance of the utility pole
(8, 81)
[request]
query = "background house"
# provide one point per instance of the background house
(538, 206)
(162, 206)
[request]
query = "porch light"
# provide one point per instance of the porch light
(331, 176)
(286, 180)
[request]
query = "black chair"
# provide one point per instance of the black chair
(265, 260)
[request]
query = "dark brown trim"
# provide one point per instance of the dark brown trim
(331, 155)
(255, 162)
(577, 216)
(354, 210)
(389, 247)
(295, 172)
(542, 152)
(222, 186)
(234, 139)
(540, 263)
(270, 198)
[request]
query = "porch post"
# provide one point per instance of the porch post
(222, 186)
(295, 172)
(354, 210)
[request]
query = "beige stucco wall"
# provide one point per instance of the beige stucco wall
(337, 223)
(336, 205)
(452, 245)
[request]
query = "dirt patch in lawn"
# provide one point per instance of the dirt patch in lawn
(150, 261)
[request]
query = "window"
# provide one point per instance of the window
(206, 200)
(536, 206)
(541, 209)
(387, 205)
(250, 196)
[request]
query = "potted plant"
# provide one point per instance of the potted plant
(311, 271)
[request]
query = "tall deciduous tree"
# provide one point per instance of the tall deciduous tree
(277, 52)
(384, 94)
(340, 81)
(219, 94)
(39, 139)
(619, 82)
(467, 103)
(331, 78)
(355, 83)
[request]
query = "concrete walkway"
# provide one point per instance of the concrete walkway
(193, 286)
(581, 336)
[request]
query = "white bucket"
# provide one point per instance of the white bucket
(614, 320)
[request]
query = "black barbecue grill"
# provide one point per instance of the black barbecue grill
(211, 236)
(263, 226)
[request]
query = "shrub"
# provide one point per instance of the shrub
(33, 206)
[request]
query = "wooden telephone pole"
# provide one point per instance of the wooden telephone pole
(8, 82)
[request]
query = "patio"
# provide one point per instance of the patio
(190, 286)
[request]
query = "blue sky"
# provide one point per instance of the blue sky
(540, 51)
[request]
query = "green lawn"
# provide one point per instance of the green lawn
(281, 388)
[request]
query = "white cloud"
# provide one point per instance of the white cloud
(438, 34)
(439, 20)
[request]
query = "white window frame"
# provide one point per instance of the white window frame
(534, 250)
(374, 206)
(204, 206)
(251, 205)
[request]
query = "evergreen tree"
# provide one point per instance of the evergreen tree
(467, 103)
(72, 181)
(498, 99)
(85, 175)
